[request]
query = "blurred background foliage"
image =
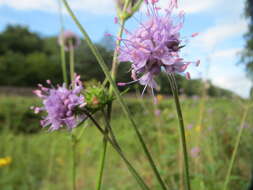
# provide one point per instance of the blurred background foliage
(27, 59)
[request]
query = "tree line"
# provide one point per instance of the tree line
(26, 59)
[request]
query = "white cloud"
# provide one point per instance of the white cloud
(226, 54)
(238, 84)
(91, 6)
(103, 6)
(219, 33)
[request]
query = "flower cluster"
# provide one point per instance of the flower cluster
(69, 40)
(61, 105)
(155, 46)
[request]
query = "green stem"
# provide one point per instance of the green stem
(63, 64)
(129, 166)
(73, 144)
(117, 93)
(181, 127)
(115, 55)
(71, 61)
(102, 165)
(237, 142)
(62, 50)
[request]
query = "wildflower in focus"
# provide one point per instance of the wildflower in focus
(155, 46)
(69, 40)
(195, 152)
(5, 161)
(61, 105)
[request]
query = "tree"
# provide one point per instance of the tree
(247, 55)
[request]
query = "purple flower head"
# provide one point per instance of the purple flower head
(154, 47)
(69, 40)
(60, 105)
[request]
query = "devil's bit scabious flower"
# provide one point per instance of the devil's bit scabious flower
(69, 40)
(60, 104)
(155, 46)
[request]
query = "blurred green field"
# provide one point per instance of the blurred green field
(41, 160)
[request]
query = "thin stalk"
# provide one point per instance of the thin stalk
(102, 164)
(237, 142)
(71, 60)
(63, 64)
(129, 166)
(109, 128)
(62, 50)
(181, 127)
(73, 146)
(117, 93)
(115, 55)
(103, 158)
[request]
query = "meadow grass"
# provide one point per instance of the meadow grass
(41, 160)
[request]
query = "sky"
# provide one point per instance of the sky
(220, 24)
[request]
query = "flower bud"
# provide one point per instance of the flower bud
(132, 7)
(96, 96)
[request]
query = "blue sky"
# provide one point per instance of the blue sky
(220, 24)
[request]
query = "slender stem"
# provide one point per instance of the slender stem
(129, 166)
(110, 131)
(62, 51)
(237, 142)
(63, 63)
(102, 165)
(117, 94)
(71, 60)
(73, 144)
(181, 127)
(103, 157)
(115, 55)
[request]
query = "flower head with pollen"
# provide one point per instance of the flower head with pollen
(61, 105)
(154, 47)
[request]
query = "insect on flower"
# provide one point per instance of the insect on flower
(154, 47)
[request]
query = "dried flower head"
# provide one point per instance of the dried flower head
(61, 104)
(155, 46)
(69, 40)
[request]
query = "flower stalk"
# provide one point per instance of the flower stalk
(181, 127)
(71, 60)
(73, 147)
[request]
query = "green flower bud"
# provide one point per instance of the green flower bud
(96, 96)
(126, 8)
